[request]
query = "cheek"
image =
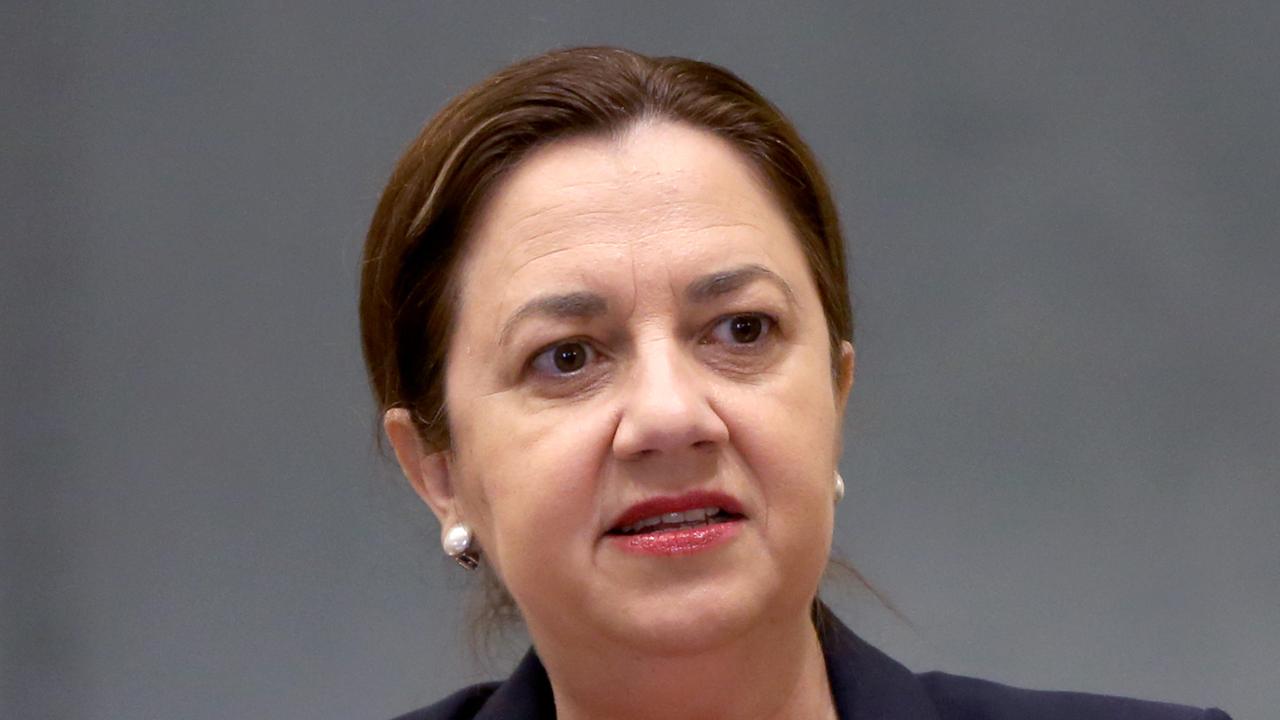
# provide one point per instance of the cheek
(786, 435)
(532, 482)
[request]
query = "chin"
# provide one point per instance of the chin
(689, 621)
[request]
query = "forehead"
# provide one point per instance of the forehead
(660, 195)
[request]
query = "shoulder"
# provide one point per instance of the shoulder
(525, 694)
(461, 705)
(963, 698)
(869, 685)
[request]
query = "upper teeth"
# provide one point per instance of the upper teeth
(673, 518)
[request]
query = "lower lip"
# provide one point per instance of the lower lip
(685, 541)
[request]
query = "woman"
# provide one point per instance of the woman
(605, 317)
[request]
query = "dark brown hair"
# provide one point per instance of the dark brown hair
(408, 288)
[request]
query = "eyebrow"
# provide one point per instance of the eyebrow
(574, 305)
(583, 304)
(715, 285)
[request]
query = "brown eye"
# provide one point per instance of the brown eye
(745, 329)
(563, 358)
(741, 329)
(569, 357)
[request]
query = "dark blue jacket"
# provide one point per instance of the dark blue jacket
(865, 683)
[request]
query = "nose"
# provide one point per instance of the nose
(667, 406)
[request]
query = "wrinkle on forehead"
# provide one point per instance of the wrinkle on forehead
(565, 226)
(625, 207)
(591, 205)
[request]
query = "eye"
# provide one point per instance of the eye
(563, 358)
(743, 329)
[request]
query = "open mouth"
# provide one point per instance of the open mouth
(667, 522)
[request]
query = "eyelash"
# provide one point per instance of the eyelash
(543, 362)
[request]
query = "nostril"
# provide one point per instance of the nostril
(674, 417)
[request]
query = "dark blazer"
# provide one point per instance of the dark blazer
(865, 683)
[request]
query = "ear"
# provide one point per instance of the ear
(844, 378)
(427, 470)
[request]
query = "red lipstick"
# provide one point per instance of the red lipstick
(677, 503)
(633, 531)
(678, 542)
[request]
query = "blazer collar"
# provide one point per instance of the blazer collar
(865, 683)
(525, 695)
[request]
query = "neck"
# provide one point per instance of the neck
(774, 672)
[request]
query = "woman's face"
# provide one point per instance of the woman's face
(637, 324)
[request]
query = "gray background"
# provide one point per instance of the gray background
(1062, 446)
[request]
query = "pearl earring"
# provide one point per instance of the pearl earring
(839, 487)
(457, 545)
